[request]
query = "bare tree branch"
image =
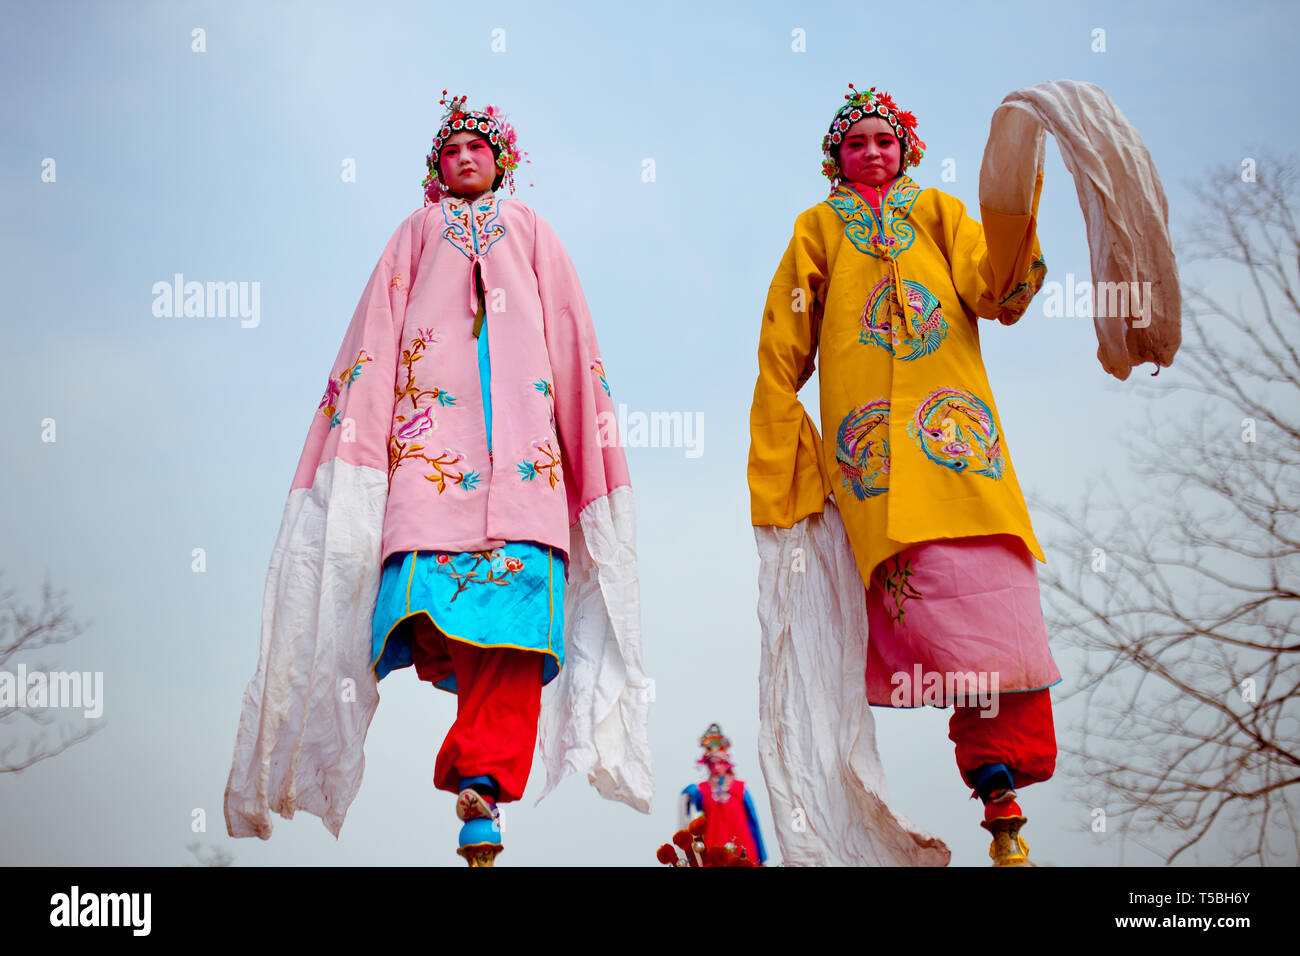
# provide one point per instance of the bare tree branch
(22, 632)
(1180, 594)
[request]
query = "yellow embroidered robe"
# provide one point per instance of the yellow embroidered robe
(911, 444)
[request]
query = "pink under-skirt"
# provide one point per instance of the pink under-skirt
(941, 611)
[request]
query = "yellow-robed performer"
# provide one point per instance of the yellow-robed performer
(903, 516)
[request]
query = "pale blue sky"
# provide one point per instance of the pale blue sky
(175, 434)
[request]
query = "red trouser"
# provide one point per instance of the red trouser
(1021, 736)
(498, 702)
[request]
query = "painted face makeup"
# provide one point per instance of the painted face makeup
(870, 152)
(467, 164)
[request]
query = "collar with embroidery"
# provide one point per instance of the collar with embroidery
(884, 236)
(473, 226)
(898, 192)
(455, 200)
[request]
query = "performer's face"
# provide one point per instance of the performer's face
(718, 768)
(870, 152)
(467, 164)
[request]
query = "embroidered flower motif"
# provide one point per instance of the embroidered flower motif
(895, 583)
(543, 386)
(548, 461)
(425, 420)
(599, 368)
(427, 336)
(331, 399)
(350, 376)
(421, 422)
(501, 570)
(333, 389)
(442, 470)
(398, 284)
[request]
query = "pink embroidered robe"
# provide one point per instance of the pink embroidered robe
(396, 459)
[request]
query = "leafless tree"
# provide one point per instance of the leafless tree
(1183, 601)
(29, 735)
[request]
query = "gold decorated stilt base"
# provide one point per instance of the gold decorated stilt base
(480, 854)
(1009, 847)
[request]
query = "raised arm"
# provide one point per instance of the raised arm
(997, 267)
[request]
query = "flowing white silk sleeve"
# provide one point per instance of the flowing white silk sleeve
(308, 707)
(816, 733)
(1136, 294)
(595, 713)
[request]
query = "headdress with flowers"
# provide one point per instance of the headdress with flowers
(490, 123)
(716, 745)
(864, 104)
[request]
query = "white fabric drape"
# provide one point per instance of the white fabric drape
(594, 715)
(816, 735)
(307, 709)
(1123, 203)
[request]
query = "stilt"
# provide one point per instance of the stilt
(1008, 847)
(480, 837)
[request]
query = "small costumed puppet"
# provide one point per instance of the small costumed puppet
(729, 814)
(920, 573)
(404, 543)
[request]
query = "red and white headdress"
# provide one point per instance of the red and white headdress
(491, 124)
(864, 105)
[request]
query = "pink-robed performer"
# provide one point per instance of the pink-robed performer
(459, 506)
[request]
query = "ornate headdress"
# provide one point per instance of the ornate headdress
(715, 744)
(491, 124)
(864, 105)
